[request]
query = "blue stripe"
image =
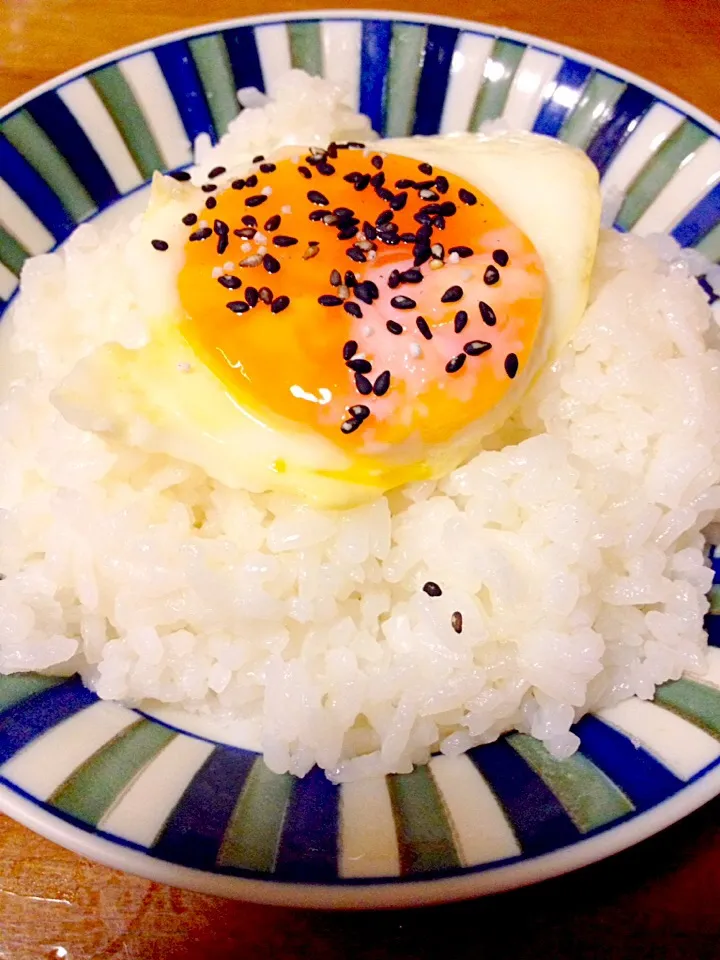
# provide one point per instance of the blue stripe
(182, 78)
(308, 846)
(701, 220)
(712, 625)
(639, 775)
(32, 190)
(375, 59)
(715, 563)
(196, 827)
(432, 86)
(27, 720)
(570, 80)
(539, 820)
(711, 295)
(50, 113)
(630, 108)
(244, 58)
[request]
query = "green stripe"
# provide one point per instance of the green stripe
(40, 152)
(715, 590)
(425, 838)
(709, 246)
(19, 686)
(659, 171)
(589, 796)
(306, 47)
(211, 59)
(12, 254)
(114, 91)
(692, 701)
(600, 95)
(406, 56)
(499, 72)
(253, 834)
(92, 789)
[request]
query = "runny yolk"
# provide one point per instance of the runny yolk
(367, 297)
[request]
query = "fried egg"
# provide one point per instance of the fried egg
(335, 323)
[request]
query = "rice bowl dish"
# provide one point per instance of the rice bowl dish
(570, 543)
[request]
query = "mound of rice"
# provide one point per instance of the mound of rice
(573, 546)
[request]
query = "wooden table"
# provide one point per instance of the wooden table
(658, 900)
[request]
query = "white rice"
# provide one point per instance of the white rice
(575, 552)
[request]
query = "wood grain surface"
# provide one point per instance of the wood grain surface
(657, 900)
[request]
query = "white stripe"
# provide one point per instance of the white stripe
(697, 174)
(533, 81)
(150, 89)
(8, 282)
(659, 123)
(99, 127)
(273, 46)
(142, 810)
(368, 840)
(466, 74)
(682, 747)
(480, 828)
(45, 763)
(19, 220)
(341, 45)
(711, 677)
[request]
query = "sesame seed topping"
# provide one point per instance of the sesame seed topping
(367, 291)
(266, 295)
(377, 162)
(403, 303)
(461, 319)
(351, 425)
(382, 384)
(202, 234)
(399, 201)
(272, 223)
(238, 184)
(441, 184)
(511, 365)
(423, 327)
(208, 187)
(363, 182)
(267, 168)
(282, 241)
(266, 191)
(255, 200)
(462, 251)
(314, 196)
(491, 275)
(335, 278)
(452, 294)
(279, 304)
(476, 347)
(189, 219)
(251, 295)
(415, 350)
(312, 250)
(230, 283)
(452, 366)
(359, 365)
(286, 209)
(330, 300)
(359, 410)
(258, 158)
(228, 266)
(216, 172)
(350, 349)
(411, 276)
(221, 228)
(432, 589)
(350, 279)
(487, 313)
(270, 263)
(249, 220)
(238, 306)
(222, 244)
(501, 257)
(304, 172)
(468, 198)
(394, 327)
(254, 260)
(353, 309)
(456, 621)
(251, 181)
(426, 169)
(325, 169)
(362, 384)
(356, 255)
(211, 203)
(180, 175)
(160, 244)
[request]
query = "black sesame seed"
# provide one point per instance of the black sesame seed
(359, 365)
(447, 209)
(238, 306)
(189, 219)
(511, 365)
(441, 184)
(230, 283)
(249, 220)
(353, 309)
(462, 252)
(491, 275)
(411, 276)
(423, 327)
(426, 169)
(270, 263)
(476, 347)
(282, 241)
(359, 410)
(267, 168)
(363, 182)
(279, 304)
(330, 300)
(369, 230)
(258, 158)
(238, 184)
(211, 203)
(266, 295)
(452, 366)
(429, 195)
(350, 426)
(347, 233)
(432, 589)
(377, 162)
(456, 621)
(393, 281)
(404, 184)
(251, 181)
(469, 198)
(344, 212)
(382, 384)
(350, 349)
(245, 233)
(201, 234)
(501, 257)
(314, 196)
(352, 177)
(385, 217)
(208, 187)
(221, 228)
(272, 223)
(390, 239)
(216, 172)
(332, 150)
(256, 200)
(461, 319)
(181, 175)
(399, 201)
(325, 169)
(362, 384)
(251, 295)
(403, 303)
(452, 294)
(160, 244)
(335, 278)
(366, 291)
(424, 233)
(487, 313)
(407, 237)
(394, 327)
(421, 255)
(222, 244)
(315, 216)
(305, 172)
(356, 255)
(350, 279)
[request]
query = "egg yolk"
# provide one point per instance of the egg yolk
(373, 299)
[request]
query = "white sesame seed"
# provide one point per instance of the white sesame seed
(246, 247)
(217, 272)
(267, 191)
(286, 209)
(372, 255)
(436, 264)
(202, 224)
(295, 158)
(367, 331)
(454, 257)
(262, 251)
(228, 266)
(360, 236)
(260, 237)
(184, 367)
(415, 350)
